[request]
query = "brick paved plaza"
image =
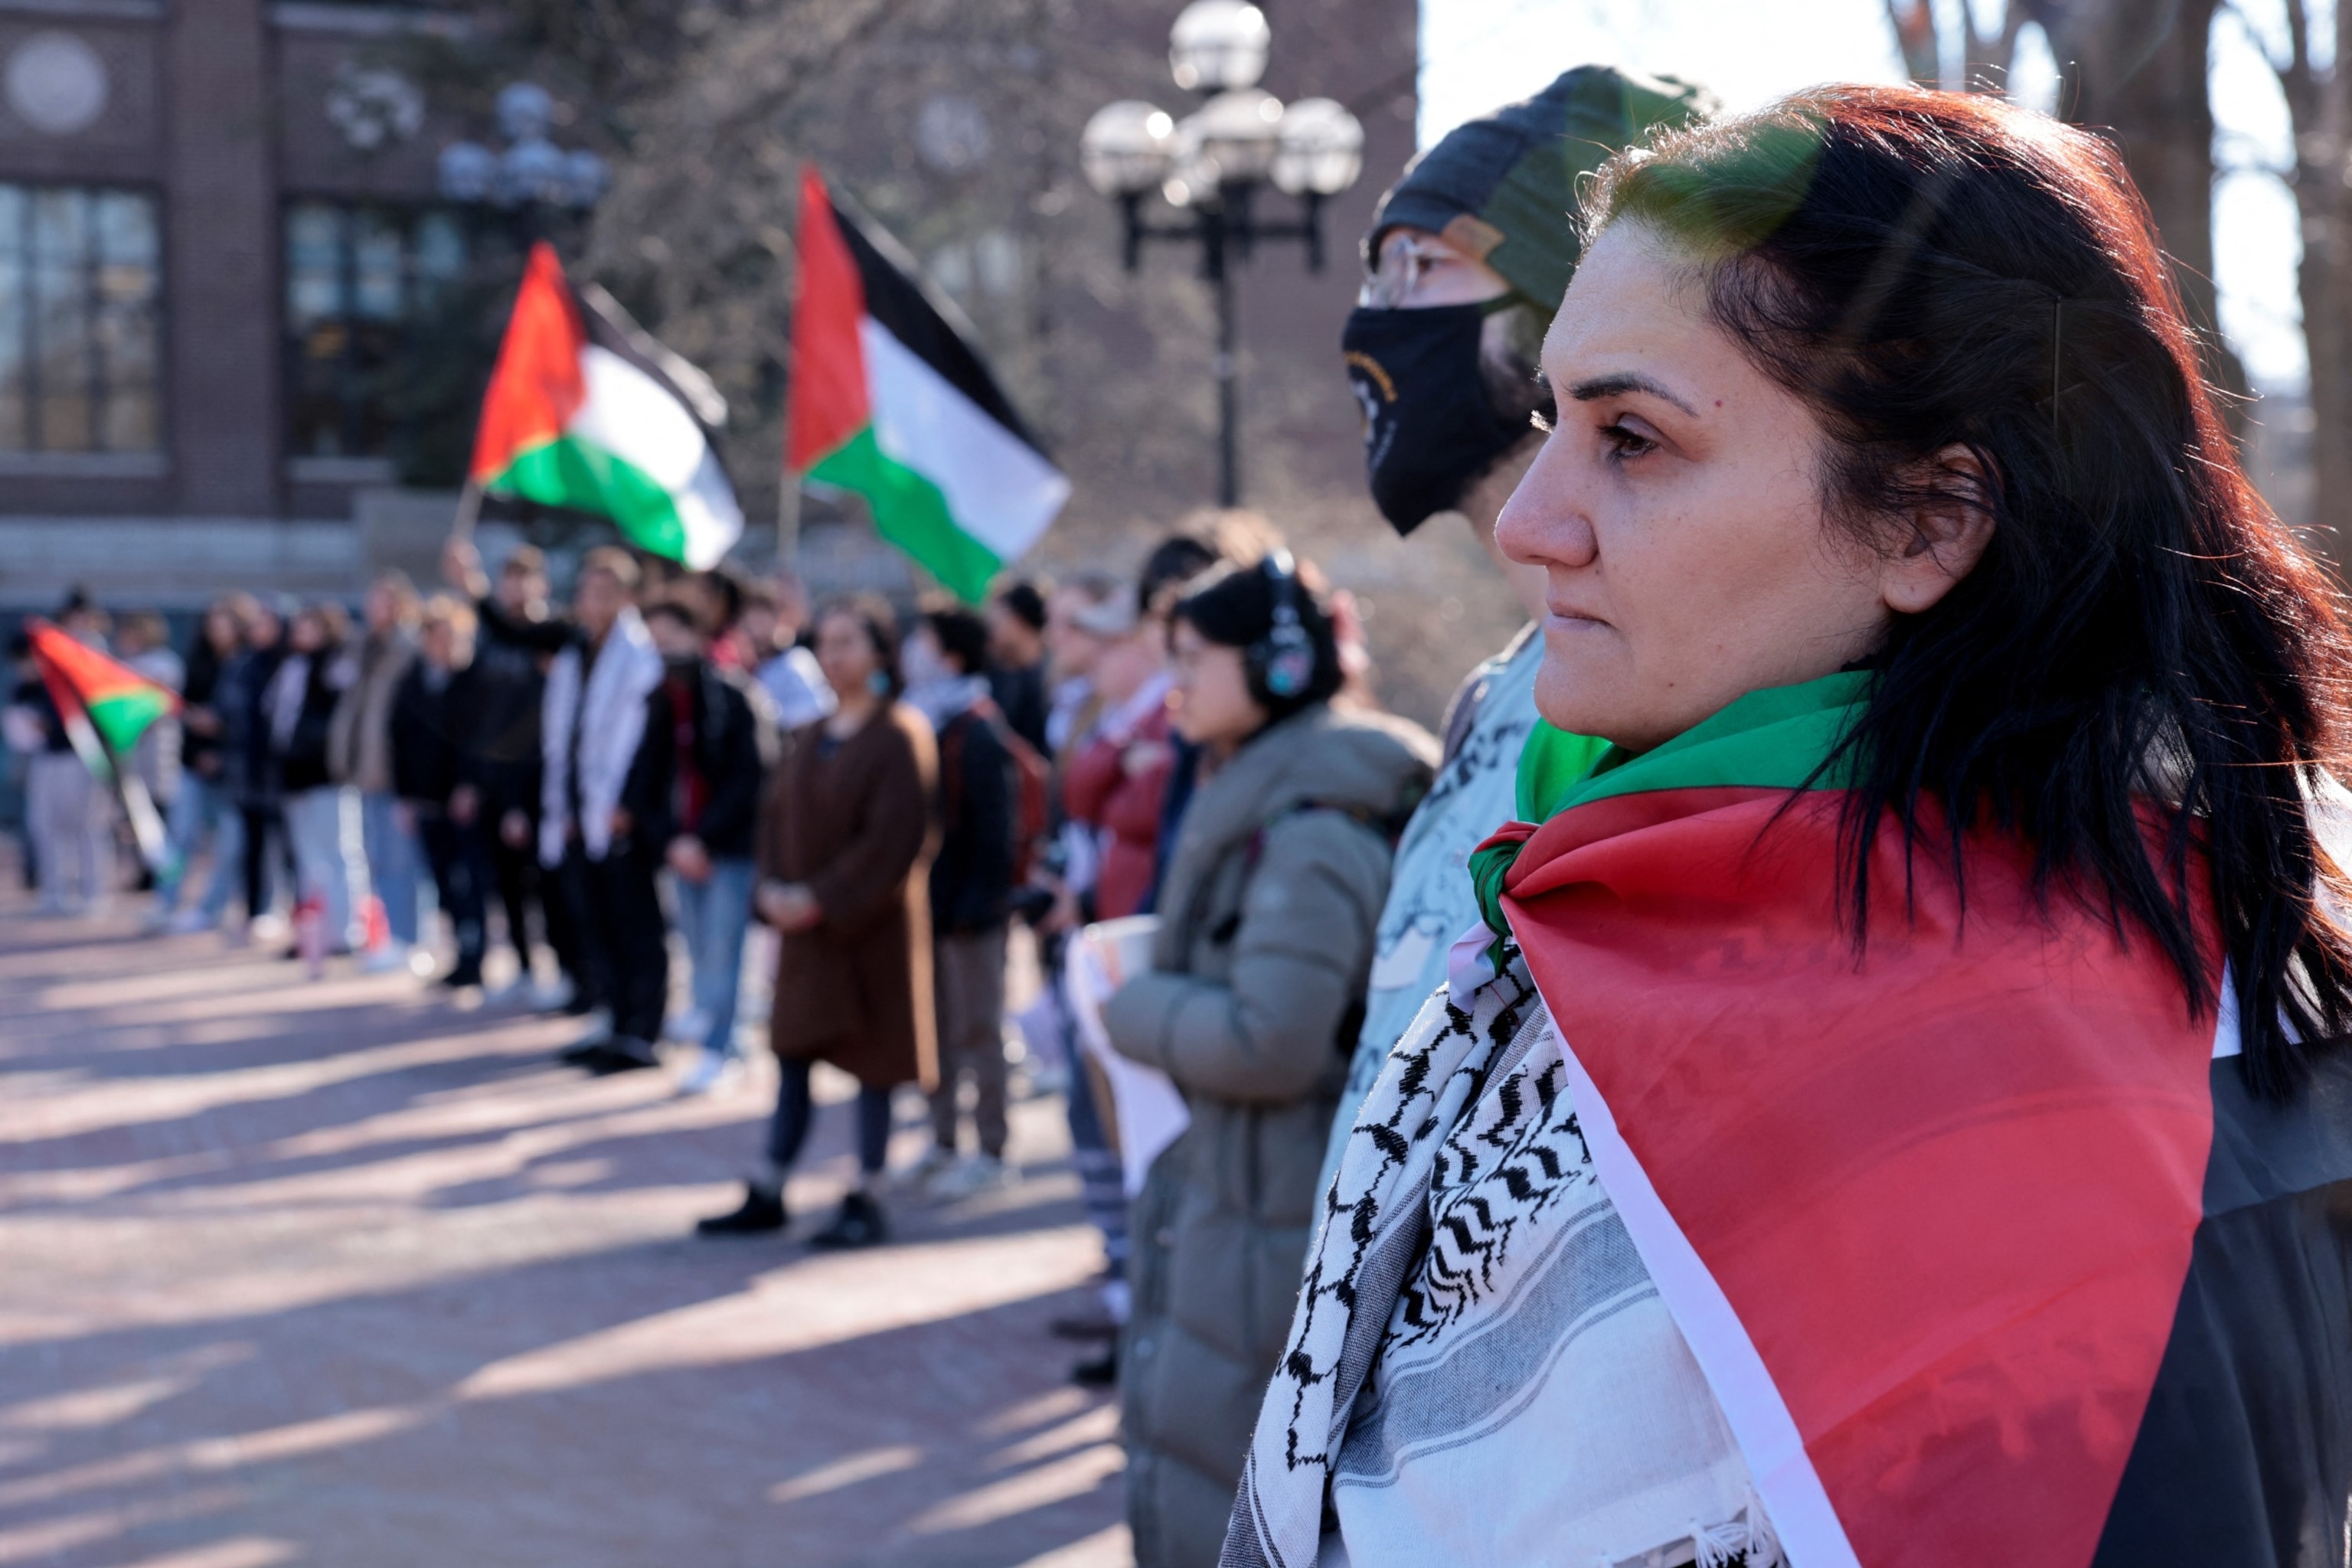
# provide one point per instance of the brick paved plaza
(335, 1273)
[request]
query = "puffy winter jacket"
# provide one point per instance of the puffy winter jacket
(1272, 893)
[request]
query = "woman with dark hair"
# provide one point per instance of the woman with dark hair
(845, 838)
(1897, 1113)
(1264, 939)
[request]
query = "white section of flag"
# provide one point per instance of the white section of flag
(999, 489)
(1811, 1535)
(635, 418)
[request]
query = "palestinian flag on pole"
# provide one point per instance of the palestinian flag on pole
(1982, 1242)
(586, 411)
(105, 706)
(890, 399)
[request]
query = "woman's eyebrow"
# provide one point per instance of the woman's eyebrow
(1617, 386)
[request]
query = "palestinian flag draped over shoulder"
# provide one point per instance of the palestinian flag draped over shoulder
(586, 411)
(1985, 1249)
(890, 399)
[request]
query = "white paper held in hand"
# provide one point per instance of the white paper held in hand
(1149, 1107)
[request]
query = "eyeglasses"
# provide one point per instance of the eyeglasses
(1404, 262)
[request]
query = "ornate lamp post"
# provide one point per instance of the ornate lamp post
(1210, 165)
(532, 173)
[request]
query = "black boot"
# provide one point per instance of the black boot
(1097, 1371)
(622, 1054)
(761, 1211)
(860, 1223)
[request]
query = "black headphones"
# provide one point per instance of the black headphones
(1281, 664)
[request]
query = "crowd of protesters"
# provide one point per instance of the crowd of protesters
(1476, 1368)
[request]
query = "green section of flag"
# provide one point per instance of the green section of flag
(120, 719)
(569, 472)
(1778, 738)
(1774, 739)
(912, 513)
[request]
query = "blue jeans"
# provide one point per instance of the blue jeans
(201, 808)
(712, 917)
(391, 854)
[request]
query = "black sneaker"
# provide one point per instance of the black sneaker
(761, 1212)
(860, 1223)
(1097, 1371)
(461, 979)
(622, 1054)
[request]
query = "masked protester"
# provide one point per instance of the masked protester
(1468, 257)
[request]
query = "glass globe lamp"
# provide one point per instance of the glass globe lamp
(1239, 132)
(469, 171)
(1127, 148)
(1218, 45)
(1320, 150)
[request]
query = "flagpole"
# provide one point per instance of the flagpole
(788, 521)
(469, 507)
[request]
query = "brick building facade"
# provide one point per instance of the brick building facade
(162, 164)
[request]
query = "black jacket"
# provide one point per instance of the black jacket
(972, 880)
(245, 731)
(436, 735)
(510, 670)
(33, 696)
(300, 759)
(1021, 696)
(201, 754)
(733, 744)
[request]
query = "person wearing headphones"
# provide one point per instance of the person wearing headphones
(1265, 940)
(1469, 254)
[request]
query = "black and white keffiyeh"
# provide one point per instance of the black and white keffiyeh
(1479, 1368)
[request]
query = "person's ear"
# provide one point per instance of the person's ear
(1943, 534)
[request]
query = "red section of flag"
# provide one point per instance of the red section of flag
(537, 386)
(90, 676)
(1949, 1189)
(829, 399)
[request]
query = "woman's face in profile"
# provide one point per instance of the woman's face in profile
(1676, 510)
(1211, 699)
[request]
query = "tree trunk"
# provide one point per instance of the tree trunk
(2322, 109)
(2137, 73)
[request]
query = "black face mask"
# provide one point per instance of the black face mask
(1428, 426)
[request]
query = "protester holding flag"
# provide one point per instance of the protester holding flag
(891, 401)
(73, 857)
(103, 709)
(1897, 1108)
(517, 634)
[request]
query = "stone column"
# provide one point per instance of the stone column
(221, 263)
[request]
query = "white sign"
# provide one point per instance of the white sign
(1149, 1109)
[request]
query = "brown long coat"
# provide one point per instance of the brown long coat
(853, 820)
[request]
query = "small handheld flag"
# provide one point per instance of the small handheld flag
(890, 399)
(585, 410)
(106, 706)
